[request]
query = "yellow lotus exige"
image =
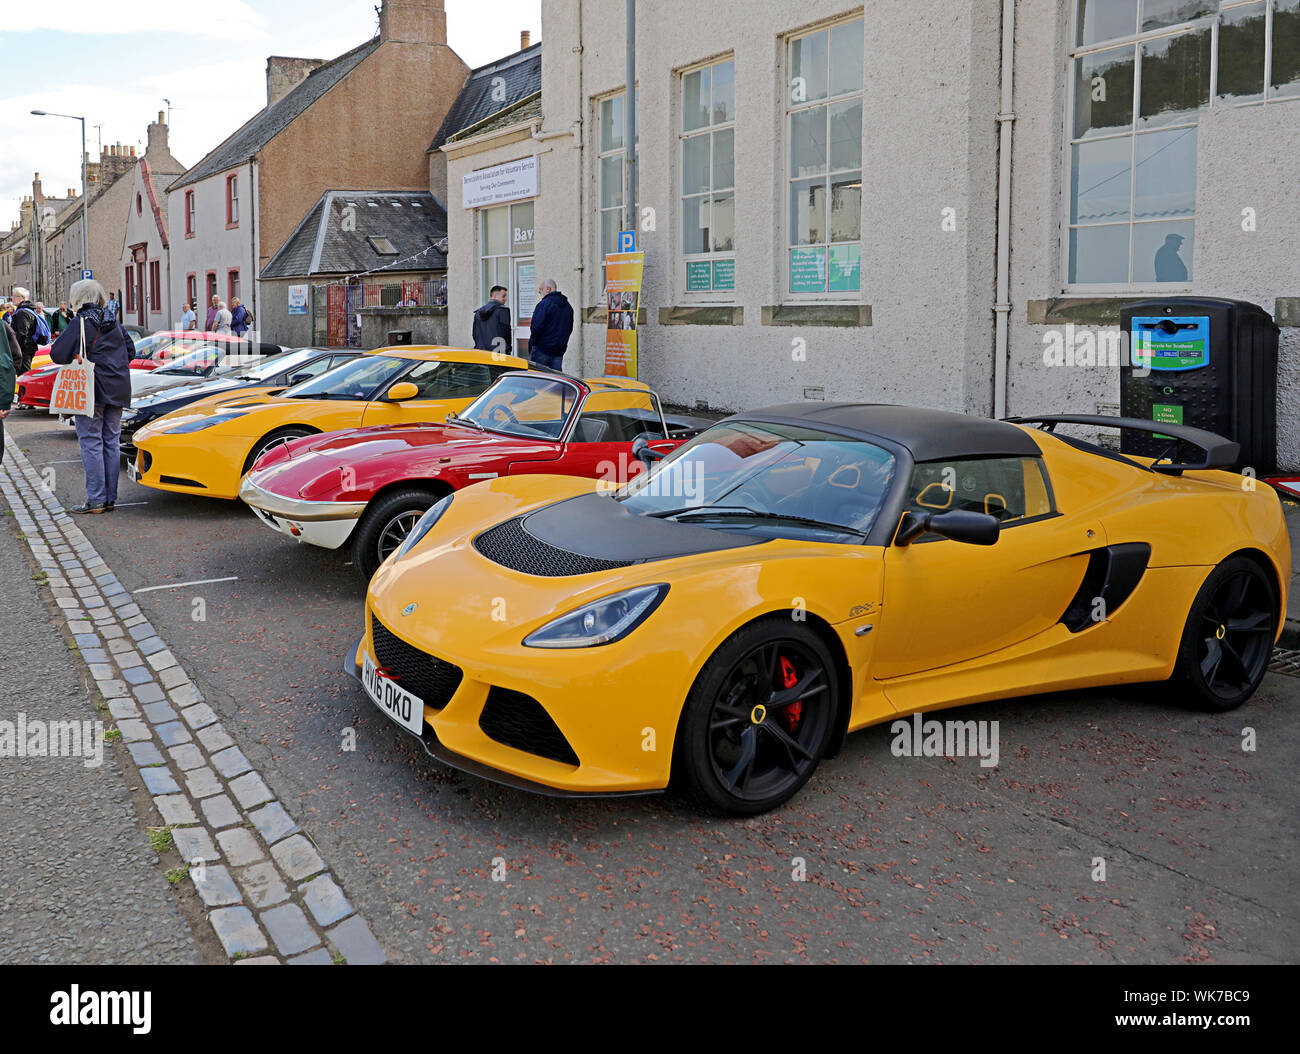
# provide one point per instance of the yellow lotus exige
(207, 448)
(799, 572)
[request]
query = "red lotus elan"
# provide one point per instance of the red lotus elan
(370, 486)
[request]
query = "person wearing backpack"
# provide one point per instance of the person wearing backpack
(240, 317)
(110, 349)
(31, 329)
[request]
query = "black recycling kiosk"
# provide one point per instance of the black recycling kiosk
(1206, 362)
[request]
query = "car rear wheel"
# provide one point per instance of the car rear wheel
(1228, 638)
(266, 442)
(758, 719)
(384, 526)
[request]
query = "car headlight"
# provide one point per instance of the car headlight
(601, 622)
(422, 527)
(200, 423)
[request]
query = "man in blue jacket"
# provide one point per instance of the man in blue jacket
(551, 326)
(110, 348)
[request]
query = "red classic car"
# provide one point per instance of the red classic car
(371, 485)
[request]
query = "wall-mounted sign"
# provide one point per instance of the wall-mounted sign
(491, 186)
(297, 300)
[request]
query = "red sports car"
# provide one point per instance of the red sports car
(370, 486)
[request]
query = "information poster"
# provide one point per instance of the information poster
(1180, 342)
(807, 270)
(622, 301)
(846, 268)
(297, 300)
(697, 276)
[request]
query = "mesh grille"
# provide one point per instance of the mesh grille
(509, 545)
(520, 721)
(432, 679)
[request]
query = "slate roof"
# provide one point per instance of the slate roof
(527, 108)
(267, 123)
(522, 74)
(411, 220)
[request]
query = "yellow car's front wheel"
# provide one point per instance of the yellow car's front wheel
(758, 719)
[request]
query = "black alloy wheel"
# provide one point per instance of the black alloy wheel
(759, 718)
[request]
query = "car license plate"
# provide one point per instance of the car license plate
(132, 472)
(394, 700)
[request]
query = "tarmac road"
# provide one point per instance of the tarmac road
(880, 858)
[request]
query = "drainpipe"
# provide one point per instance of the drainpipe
(582, 191)
(1002, 293)
(252, 242)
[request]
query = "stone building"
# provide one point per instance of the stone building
(363, 119)
(143, 261)
(902, 203)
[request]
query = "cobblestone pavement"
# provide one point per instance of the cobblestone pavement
(269, 895)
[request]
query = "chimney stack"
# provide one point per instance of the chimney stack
(525, 38)
(413, 21)
(283, 74)
(157, 137)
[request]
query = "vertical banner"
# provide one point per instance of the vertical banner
(622, 301)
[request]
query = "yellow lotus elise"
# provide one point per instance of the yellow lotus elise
(795, 573)
(207, 448)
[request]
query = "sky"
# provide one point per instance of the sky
(116, 63)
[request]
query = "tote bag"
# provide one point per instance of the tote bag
(74, 387)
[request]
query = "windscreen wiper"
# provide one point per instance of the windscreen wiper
(452, 419)
(727, 512)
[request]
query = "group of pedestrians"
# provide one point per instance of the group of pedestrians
(549, 329)
(89, 333)
(235, 319)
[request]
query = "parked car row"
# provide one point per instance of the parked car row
(569, 591)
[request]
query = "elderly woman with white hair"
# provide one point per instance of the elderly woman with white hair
(95, 335)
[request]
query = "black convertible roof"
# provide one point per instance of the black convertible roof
(930, 435)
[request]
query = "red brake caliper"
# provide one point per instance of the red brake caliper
(788, 680)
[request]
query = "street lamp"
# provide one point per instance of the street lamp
(85, 189)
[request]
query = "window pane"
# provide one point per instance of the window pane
(1156, 14)
(724, 159)
(1162, 252)
(807, 211)
(695, 164)
(846, 208)
(695, 100)
(611, 181)
(808, 141)
(1166, 174)
(1106, 19)
(521, 227)
(724, 223)
(1103, 92)
(1099, 254)
(496, 232)
(610, 223)
(808, 62)
(1175, 77)
(611, 124)
(1286, 48)
(846, 57)
(846, 269)
(807, 270)
(724, 92)
(695, 225)
(1241, 52)
(1099, 175)
(846, 135)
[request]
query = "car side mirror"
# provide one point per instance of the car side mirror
(644, 452)
(961, 525)
(298, 378)
(401, 391)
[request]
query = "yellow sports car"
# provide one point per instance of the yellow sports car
(796, 573)
(207, 448)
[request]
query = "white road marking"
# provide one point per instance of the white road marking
(124, 504)
(70, 461)
(182, 585)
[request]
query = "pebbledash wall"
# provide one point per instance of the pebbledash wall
(920, 329)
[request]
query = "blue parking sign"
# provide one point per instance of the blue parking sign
(627, 241)
(86, 275)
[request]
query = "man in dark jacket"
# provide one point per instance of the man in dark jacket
(25, 326)
(551, 326)
(110, 348)
(60, 319)
(493, 330)
(15, 349)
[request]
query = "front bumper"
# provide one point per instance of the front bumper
(327, 524)
(436, 750)
(207, 465)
